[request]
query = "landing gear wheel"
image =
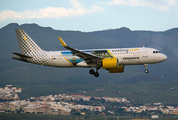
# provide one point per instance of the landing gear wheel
(91, 71)
(146, 71)
(96, 74)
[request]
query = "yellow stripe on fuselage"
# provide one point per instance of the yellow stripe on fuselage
(67, 59)
(110, 53)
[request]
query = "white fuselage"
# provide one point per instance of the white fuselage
(126, 56)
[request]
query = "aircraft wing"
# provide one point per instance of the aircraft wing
(89, 58)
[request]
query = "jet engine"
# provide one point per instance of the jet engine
(120, 69)
(110, 63)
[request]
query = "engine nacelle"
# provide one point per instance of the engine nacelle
(120, 69)
(110, 63)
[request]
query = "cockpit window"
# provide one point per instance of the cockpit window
(155, 51)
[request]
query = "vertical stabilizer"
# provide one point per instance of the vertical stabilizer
(26, 44)
(30, 51)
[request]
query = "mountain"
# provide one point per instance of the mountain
(21, 73)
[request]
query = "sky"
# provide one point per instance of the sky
(92, 15)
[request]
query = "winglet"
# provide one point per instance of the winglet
(62, 42)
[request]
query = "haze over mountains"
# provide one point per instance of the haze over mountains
(17, 72)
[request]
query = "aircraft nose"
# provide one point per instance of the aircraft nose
(163, 57)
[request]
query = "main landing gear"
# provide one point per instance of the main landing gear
(146, 71)
(92, 72)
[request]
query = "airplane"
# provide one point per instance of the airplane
(113, 59)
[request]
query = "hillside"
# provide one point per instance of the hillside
(24, 74)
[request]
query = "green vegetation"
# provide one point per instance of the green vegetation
(18, 116)
(137, 93)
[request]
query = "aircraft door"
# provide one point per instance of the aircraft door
(145, 52)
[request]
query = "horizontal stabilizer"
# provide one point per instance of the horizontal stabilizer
(22, 55)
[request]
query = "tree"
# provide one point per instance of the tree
(73, 111)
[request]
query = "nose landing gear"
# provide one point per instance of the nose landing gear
(92, 72)
(146, 71)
